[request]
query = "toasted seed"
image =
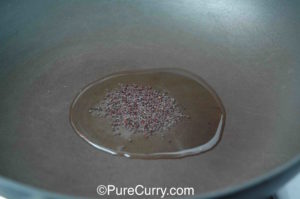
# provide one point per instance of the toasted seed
(139, 109)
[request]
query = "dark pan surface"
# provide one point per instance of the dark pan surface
(248, 51)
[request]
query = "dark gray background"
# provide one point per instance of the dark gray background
(248, 51)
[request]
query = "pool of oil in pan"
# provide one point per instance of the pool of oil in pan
(198, 129)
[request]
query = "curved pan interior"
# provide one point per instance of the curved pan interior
(248, 51)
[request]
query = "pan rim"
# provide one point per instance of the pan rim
(17, 189)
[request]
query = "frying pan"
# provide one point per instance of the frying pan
(248, 51)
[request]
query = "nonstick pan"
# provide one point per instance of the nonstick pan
(247, 51)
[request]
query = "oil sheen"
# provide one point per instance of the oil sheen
(200, 132)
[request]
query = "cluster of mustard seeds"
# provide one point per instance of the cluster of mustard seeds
(138, 109)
